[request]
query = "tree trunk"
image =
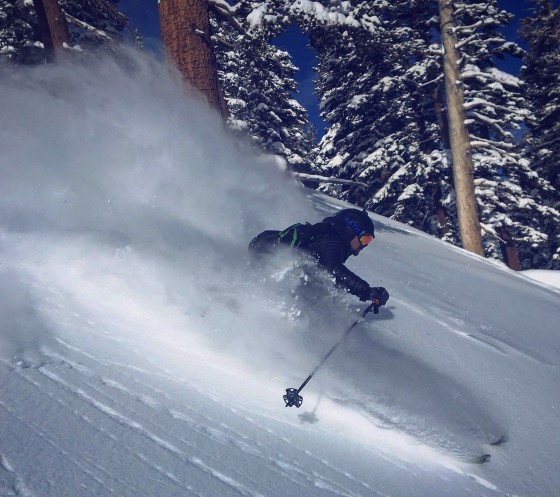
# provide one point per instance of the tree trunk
(469, 224)
(185, 32)
(52, 27)
(509, 250)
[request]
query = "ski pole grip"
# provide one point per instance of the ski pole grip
(372, 307)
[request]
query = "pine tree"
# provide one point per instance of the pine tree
(459, 138)
(258, 82)
(509, 192)
(19, 34)
(541, 76)
(91, 23)
(381, 87)
(374, 82)
(94, 23)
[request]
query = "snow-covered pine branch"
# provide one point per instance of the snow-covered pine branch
(471, 28)
(224, 11)
(87, 27)
(494, 75)
(433, 81)
(495, 123)
(479, 102)
(315, 178)
(500, 147)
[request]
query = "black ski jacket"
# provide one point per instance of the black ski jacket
(328, 242)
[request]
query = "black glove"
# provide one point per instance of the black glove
(379, 295)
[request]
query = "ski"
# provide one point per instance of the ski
(499, 441)
(481, 459)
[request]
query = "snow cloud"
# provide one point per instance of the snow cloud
(117, 180)
(86, 145)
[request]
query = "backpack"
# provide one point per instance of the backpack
(299, 235)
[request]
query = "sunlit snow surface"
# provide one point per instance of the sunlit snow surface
(139, 356)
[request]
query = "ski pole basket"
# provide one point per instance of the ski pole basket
(293, 398)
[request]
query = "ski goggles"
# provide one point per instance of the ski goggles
(364, 237)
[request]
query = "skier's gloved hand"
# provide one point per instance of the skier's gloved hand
(379, 295)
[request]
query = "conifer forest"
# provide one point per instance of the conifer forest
(423, 123)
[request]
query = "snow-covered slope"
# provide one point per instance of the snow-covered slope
(139, 358)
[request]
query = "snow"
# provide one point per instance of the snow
(255, 17)
(551, 278)
(137, 357)
(321, 13)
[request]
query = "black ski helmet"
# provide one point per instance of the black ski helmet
(357, 218)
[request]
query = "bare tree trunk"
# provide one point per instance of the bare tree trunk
(52, 27)
(509, 250)
(469, 224)
(185, 32)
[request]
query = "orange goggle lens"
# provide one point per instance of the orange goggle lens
(366, 239)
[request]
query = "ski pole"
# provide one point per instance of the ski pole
(292, 397)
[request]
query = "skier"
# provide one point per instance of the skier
(330, 243)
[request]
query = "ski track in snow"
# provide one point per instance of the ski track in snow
(485, 337)
(11, 485)
(79, 382)
(161, 436)
(70, 378)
